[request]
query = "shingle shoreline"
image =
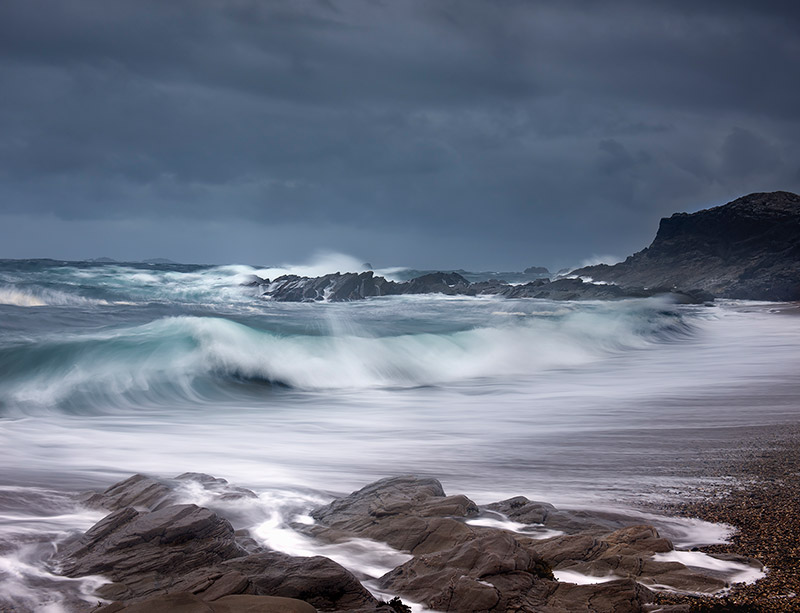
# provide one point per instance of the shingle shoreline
(764, 506)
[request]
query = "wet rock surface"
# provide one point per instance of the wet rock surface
(151, 493)
(144, 552)
(462, 557)
(409, 513)
(185, 602)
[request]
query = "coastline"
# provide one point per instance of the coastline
(764, 506)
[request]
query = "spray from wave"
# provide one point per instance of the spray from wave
(37, 297)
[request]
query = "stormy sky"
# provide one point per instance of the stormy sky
(430, 133)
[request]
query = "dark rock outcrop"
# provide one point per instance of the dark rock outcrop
(185, 602)
(565, 289)
(340, 287)
(460, 566)
(346, 287)
(409, 513)
(138, 491)
(578, 289)
(491, 572)
(189, 558)
(150, 493)
(144, 552)
(316, 580)
(748, 249)
(336, 287)
(450, 283)
(190, 549)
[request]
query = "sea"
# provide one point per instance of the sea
(111, 369)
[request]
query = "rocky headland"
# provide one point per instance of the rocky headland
(747, 249)
(155, 552)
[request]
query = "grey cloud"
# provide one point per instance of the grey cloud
(535, 130)
(745, 153)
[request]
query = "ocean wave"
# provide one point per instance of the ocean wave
(199, 358)
(38, 297)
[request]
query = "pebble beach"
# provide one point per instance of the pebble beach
(763, 505)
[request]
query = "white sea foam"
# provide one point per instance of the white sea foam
(570, 576)
(18, 576)
(535, 531)
(416, 607)
(270, 518)
(30, 529)
(735, 572)
(364, 557)
(321, 263)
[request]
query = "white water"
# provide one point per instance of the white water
(164, 371)
(736, 571)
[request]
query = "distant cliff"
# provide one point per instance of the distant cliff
(748, 249)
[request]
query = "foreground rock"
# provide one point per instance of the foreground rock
(149, 493)
(516, 554)
(184, 602)
(748, 248)
(135, 548)
(161, 548)
(460, 563)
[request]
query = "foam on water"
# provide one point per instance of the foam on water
(571, 576)
(33, 521)
(498, 520)
(735, 572)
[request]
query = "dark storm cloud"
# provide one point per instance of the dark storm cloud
(525, 132)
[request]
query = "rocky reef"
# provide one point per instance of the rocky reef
(158, 553)
(345, 287)
(747, 249)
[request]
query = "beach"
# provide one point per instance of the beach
(761, 501)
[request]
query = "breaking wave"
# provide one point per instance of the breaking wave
(205, 358)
